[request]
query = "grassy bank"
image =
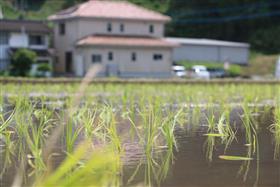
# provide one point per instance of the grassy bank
(118, 81)
(259, 65)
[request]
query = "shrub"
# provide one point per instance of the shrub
(44, 67)
(21, 62)
(234, 70)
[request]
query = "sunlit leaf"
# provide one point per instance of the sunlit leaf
(235, 158)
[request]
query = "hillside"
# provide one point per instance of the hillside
(41, 9)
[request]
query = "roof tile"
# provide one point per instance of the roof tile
(110, 9)
(26, 25)
(124, 41)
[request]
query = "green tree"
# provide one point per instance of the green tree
(22, 61)
(235, 20)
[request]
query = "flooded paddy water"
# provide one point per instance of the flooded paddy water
(150, 135)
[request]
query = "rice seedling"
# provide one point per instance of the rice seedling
(235, 158)
(109, 115)
(251, 136)
(85, 168)
(275, 129)
(210, 141)
(8, 151)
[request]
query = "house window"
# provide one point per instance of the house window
(4, 38)
(157, 57)
(36, 40)
(133, 57)
(96, 58)
(109, 27)
(62, 28)
(151, 29)
(110, 56)
(122, 27)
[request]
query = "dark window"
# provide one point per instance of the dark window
(36, 40)
(122, 27)
(62, 28)
(133, 57)
(157, 56)
(110, 56)
(109, 27)
(68, 62)
(4, 38)
(151, 29)
(96, 58)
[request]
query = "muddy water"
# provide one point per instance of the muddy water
(192, 167)
(190, 164)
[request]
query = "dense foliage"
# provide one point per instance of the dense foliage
(254, 21)
(22, 60)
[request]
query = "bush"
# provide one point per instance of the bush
(234, 70)
(21, 62)
(44, 67)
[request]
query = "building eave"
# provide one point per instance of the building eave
(66, 18)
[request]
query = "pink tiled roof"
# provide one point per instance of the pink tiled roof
(124, 41)
(110, 9)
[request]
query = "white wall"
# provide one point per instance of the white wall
(18, 40)
(145, 65)
(199, 53)
(95, 26)
(76, 29)
(63, 43)
(238, 55)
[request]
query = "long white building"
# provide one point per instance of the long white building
(209, 50)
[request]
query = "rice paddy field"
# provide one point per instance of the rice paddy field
(133, 134)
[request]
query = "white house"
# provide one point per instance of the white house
(208, 50)
(127, 40)
(15, 34)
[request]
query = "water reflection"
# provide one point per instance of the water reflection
(190, 155)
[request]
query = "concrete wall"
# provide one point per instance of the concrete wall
(76, 29)
(91, 26)
(236, 55)
(144, 66)
(63, 43)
